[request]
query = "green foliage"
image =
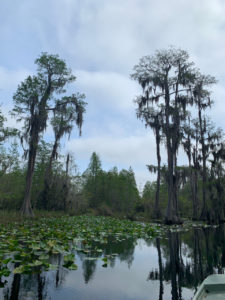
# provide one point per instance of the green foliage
(12, 182)
(148, 197)
(34, 99)
(116, 190)
(170, 85)
(6, 132)
(30, 245)
(94, 178)
(42, 160)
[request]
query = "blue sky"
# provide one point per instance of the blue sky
(101, 41)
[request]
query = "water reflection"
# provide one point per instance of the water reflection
(26, 287)
(124, 250)
(15, 287)
(174, 267)
(188, 259)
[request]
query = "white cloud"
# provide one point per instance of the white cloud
(102, 41)
(134, 151)
(217, 112)
(121, 150)
(9, 79)
(112, 35)
(107, 89)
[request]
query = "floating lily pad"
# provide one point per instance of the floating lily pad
(27, 247)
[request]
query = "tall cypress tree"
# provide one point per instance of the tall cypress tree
(34, 99)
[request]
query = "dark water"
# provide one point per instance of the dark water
(171, 267)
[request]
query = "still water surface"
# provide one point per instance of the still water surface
(170, 267)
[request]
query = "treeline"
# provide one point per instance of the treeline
(95, 191)
(174, 102)
(47, 180)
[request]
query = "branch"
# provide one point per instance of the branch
(184, 90)
(59, 104)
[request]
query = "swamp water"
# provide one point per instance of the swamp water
(171, 266)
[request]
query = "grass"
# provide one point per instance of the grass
(11, 216)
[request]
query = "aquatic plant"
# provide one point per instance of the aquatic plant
(27, 247)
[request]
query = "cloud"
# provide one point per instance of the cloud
(103, 35)
(9, 79)
(107, 89)
(217, 112)
(102, 41)
(112, 35)
(123, 152)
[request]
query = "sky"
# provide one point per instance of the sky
(101, 41)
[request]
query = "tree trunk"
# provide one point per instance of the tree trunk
(53, 156)
(220, 193)
(194, 189)
(171, 213)
(209, 258)
(203, 216)
(38, 122)
(171, 216)
(157, 213)
(15, 289)
(198, 270)
(193, 193)
(41, 284)
(195, 179)
(26, 209)
(175, 145)
(160, 269)
(48, 176)
(66, 184)
(192, 157)
(173, 265)
(175, 184)
(204, 208)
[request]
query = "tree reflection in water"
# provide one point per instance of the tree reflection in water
(15, 287)
(124, 250)
(184, 260)
(188, 258)
(26, 287)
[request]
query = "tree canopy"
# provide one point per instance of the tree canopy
(35, 98)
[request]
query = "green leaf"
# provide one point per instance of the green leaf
(19, 270)
(5, 261)
(73, 267)
(36, 263)
(52, 267)
(105, 259)
(69, 257)
(44, 257)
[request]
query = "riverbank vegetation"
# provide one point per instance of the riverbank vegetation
(174, 104)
